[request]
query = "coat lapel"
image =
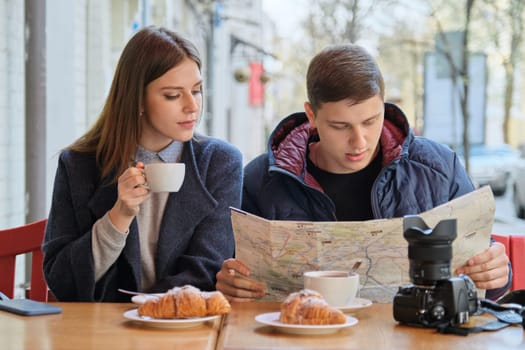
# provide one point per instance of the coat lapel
(183, 212)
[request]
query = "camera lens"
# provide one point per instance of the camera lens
(429, 251)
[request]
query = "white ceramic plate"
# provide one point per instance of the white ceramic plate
(168, 323)
(142, 298)
(272, 319)
(357, 303)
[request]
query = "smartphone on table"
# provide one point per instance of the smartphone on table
(27, 307)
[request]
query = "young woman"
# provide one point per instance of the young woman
(106, 230)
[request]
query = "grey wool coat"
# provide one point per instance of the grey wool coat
(195, 236)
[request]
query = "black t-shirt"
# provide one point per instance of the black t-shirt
(351, 193)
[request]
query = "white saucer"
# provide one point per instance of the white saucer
(357, 303)
(168, 323)
(272, 319)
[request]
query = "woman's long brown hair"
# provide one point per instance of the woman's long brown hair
(114, 137)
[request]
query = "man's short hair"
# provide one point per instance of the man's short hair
(341, 72)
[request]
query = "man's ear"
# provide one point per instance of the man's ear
(309, 113)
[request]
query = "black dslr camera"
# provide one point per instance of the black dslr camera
(434, 298)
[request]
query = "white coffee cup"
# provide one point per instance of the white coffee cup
(165, 177)
(339, 288)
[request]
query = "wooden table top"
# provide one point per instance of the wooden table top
(103, 326)
(98, 326)
(376, 329)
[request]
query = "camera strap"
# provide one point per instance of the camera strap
(509, 310)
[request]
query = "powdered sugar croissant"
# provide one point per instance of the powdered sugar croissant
(309, 307)
(185, 302)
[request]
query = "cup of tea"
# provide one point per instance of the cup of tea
(339, 288)
(164, 177)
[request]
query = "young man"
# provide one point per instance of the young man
(352, 157)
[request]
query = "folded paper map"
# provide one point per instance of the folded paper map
(278, 252)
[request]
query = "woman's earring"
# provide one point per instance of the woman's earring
(141, 114)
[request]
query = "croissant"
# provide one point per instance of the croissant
(185, 302)
(309, 307)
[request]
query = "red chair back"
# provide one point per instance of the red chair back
(515, 248)
(20, 240)
(517, 258)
